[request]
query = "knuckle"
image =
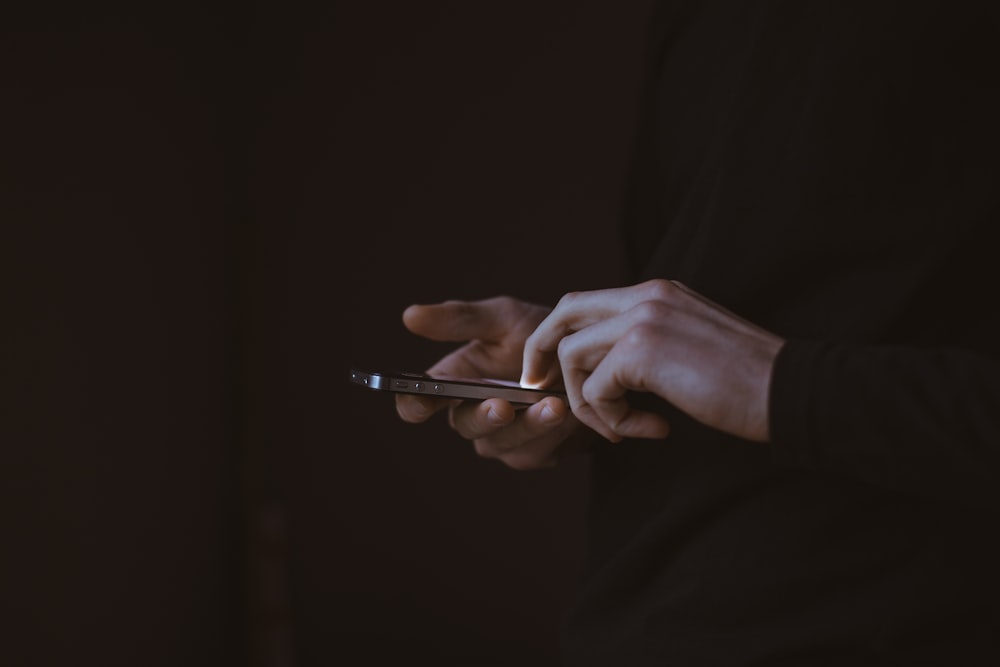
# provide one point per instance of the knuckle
(589, 394)
(566, 351)
(640, 336)
(651, 310)
(504, 302)
(568, 299)
(475, 348)
(659, 289)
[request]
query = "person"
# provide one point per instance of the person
(793, 405)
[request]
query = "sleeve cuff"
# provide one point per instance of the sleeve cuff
(792, 402)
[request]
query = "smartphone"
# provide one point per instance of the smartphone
(445, 386)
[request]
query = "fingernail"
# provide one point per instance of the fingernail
(528, 383)
(495, 417)
(549, 416)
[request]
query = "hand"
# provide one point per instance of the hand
(658, 337)
(494, 332)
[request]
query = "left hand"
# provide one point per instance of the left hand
(493, 332)
(659, 337)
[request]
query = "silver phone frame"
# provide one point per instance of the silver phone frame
(448, 387)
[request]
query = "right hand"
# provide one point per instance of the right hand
(493, 332)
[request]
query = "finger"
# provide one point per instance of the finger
(537, 451)
(575, 378)
(474, 419)
(527, 431)
(540, 370)
(418, 409)
(471, 360)
(585, 413)
(585, 350)
(457, 321)
(604, 393)
(574, 312)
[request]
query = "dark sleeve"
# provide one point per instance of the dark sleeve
(922, 421)
(642, 224)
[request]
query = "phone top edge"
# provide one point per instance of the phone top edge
(422, 384)
(370, 380)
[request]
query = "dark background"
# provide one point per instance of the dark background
(208, 213)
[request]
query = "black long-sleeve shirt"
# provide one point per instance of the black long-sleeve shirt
(830, 171)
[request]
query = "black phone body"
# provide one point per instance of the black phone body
(444, 386)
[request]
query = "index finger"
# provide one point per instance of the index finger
(458, 321)
(575, 311)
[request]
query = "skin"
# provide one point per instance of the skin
(493, 333)
(657, 336)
